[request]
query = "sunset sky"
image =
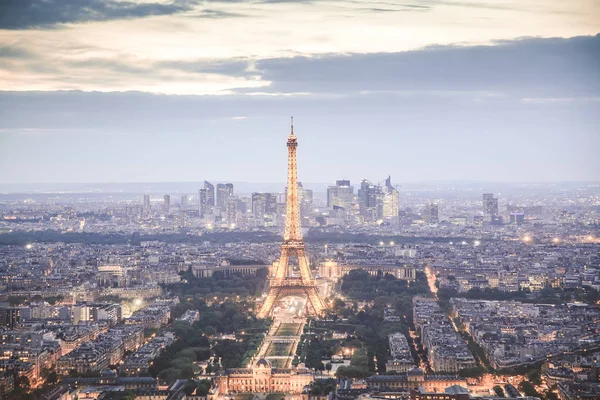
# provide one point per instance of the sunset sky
(121, 91)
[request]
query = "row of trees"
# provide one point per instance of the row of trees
(23, 300)
(547, 295)
(219, 286)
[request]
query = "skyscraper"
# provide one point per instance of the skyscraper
(431, 213)
(224, 192)
(263, 203)
(206, 199)
(202, 202)
(210, 193)
(370, 201)
(184, 202)
(340, 195)
(146, 202)
(307, 203)
(391, 200)
(232, 213)
(490, 206)
(167, 203)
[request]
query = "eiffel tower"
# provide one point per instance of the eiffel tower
(280, 284)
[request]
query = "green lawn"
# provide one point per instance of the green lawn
(288, 329)
(279, 349)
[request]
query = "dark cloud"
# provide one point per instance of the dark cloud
(216, 14)
(30, 14)
(533, 66)
(14, 52)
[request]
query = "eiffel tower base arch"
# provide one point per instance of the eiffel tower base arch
(314, 303)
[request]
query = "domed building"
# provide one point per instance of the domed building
(263, 378)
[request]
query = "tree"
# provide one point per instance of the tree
(528, 389)
(189, 387)
(203, 387)
(187, 373)
(499, 391)
(52, 378)
(328, 367)
(316, 390)
(535, 377)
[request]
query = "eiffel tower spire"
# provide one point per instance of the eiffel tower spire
(280, 284)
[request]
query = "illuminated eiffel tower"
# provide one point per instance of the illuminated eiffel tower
(280, 284)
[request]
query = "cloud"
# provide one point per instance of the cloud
(569, 67)
(14, 52)
(31, 14)
(218, 14)
(527, 68)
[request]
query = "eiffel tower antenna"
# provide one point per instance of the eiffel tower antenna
(280, 284)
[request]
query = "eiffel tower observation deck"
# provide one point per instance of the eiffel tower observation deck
(292, 249)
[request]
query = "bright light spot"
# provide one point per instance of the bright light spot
(555, 240)
(392, 243)
(137, 302)
(28, 246)
(381, 243)
(590, 237)
(463, 243)
(209, 226)
(527, 239)
(476, 243)
(232, 226)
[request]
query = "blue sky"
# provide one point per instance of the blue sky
(102, 91)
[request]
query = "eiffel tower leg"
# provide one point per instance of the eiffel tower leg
(269, 302)
(303, 265)
(314, 299)
(282, 268)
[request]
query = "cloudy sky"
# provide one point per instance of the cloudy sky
(185, 90)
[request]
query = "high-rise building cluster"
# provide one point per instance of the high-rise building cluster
(218, 206)
(374, 203)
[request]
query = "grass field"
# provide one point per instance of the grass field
(279, 349)
(288, 329)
